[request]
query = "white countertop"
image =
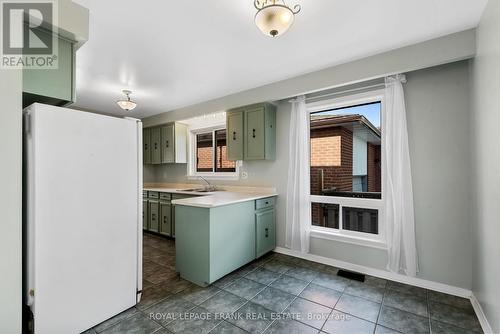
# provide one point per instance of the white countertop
(231, 195)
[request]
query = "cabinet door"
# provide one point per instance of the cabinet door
(265, 232)
(165, 219)
(254, 134)
(146, 146)
(155, 146)
(167, 144)
(153, 215)
(234, 124)
(145, 214)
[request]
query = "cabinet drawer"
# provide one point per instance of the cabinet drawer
(264, 203)
(165, 196)
(153, 194)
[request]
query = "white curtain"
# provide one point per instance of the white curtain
(298, 207)
(398, 192)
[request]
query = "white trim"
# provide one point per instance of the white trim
(481, 316)
(419, 282)
(333, 234)
(191, 165)
(359, 238)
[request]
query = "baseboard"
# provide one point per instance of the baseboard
(485, 325)
(422, 283)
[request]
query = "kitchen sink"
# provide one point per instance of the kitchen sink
(200, 190)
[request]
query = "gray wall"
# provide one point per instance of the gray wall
(10, 202)
(438, 125)
(486, 163)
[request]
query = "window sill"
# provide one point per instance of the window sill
(222, 177)
(320, 233)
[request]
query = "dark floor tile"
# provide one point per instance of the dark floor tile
(245, 288)
(406, 302)
(146, 284)
(289, 284)
(245, 270)
(177, 284)
(227, 328)
(455, 301)
(309, 313)
(315, 266)
(252, 317)
(438, 327)
(359, 307)
(169, 309)
(341, 323)
(454, 316)
(277, 266)
(285, 258)
(331, 281)
(198, 295)
(161, 276)
(196, 321)
(153, 295)
(137, 324)
(321, 295)
(409, 289)
(116, 319)
(227, 280)
(290, 326)
(366, 291)
(263, 276)
(384, 330)
(304, 274)
(375, 281)
(402, 321)
(223, 302)
(273, 299)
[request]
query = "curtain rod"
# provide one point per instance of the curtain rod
(345, 91)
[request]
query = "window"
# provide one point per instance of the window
(209, 154)
(346, 166)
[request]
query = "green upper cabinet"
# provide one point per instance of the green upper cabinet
(146, 146)
(251, 132)
(155, 146)
(52, 86)
(168, 144)
(234, 121)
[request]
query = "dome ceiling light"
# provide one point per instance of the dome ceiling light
(274, 17)
(127, 104)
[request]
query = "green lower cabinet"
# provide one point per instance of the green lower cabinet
(166, 219)
(145, 214)
(212, 242)
(265, 230)
(154, 209)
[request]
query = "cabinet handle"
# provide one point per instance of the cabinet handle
(234, 135)
(164, 220)
(145, 146)
(267, 232)
(267, 203)
(253, 133)
(156, 146)
(167, 143)
(153, 216)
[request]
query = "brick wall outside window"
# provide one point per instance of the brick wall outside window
(337, 172)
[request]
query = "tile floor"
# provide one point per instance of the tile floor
(283, 294)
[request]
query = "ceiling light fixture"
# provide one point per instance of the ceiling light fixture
(274, 17)
(127, 104)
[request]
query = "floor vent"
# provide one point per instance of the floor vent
(351, 275)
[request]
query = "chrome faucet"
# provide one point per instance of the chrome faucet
(209, 186)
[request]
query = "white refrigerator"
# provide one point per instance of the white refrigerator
(83, 217)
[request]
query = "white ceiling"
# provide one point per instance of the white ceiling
(177, 53)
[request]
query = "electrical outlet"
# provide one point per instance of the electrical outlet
(244, 175)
